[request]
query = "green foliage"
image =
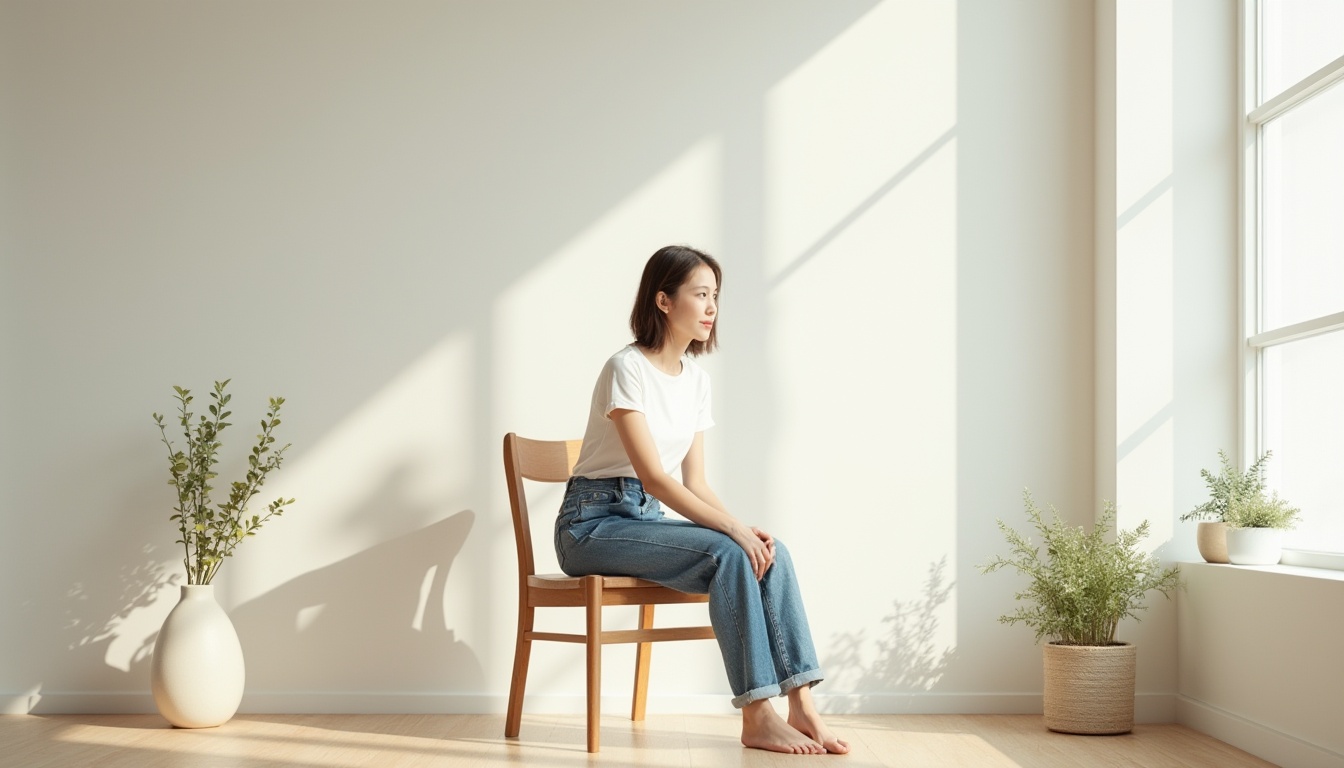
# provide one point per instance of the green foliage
(1230, 484)
(210, 532)
(1260, 511)
(1079, 593)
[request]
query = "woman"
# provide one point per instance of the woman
(649, 411)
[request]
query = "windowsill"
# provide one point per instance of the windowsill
(1295, 571)
(1307, 558)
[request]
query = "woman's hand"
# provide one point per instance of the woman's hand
(768, 539)
(759, 546)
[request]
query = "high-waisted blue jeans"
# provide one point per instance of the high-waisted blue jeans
(610, 526)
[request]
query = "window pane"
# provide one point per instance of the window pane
(1298, 37)
(1304, 427)
(1302, 204)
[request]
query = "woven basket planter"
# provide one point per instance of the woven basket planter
(1089, 688)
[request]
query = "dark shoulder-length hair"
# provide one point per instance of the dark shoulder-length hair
(667, 269)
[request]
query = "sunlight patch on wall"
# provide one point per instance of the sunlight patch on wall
(21, 703)
(861, 258)
(1144, 86)
(144, 592)
(396, 463)
(1145, 268)
(1145, 371)
(307, 616)
(846, 121)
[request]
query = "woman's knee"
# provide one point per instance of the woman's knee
(732, 556)
(733, 559)
(782, 557)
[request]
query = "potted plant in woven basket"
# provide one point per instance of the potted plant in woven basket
(1229, 485)
(1079, 591)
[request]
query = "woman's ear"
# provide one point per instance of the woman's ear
(663, 302)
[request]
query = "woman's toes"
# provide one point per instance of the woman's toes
(836, 746)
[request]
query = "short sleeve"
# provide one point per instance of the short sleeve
(625, 388)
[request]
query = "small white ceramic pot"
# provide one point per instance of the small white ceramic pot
(1254, 546)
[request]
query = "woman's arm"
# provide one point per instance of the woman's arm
(639, 446)
(693, 474)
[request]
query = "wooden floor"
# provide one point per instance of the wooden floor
(878, 741)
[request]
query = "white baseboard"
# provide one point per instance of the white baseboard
(12, 703)
(1260, 740)
(1148, 708)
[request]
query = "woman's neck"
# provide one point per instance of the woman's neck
(668, 358)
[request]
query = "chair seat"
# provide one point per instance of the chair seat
(555, 589)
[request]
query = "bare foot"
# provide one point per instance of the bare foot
(763, 728)
(805, 719)
(813, 727)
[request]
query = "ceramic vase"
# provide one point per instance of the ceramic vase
(1089, 688)
(1254, 546)
(1212, 541)
(197, 671)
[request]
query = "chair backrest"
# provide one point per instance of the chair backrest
(547, 461)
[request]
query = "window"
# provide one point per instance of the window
(1293, 303)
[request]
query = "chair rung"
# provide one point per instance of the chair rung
(630, 635)
(651, 635)
(556, 637)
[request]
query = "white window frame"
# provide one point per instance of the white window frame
(1254, 339)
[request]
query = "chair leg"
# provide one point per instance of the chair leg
(642, 653)
(522, 652)
(592, 593)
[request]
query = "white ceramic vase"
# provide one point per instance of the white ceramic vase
(197, 670)
(1254, 546)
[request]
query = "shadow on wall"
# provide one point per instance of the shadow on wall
(137, 585)
(374, 621)
(908, 658)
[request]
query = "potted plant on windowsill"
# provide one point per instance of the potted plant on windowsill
(1255, 529)
(1078, 593)
(196, 673)
(1229, 485)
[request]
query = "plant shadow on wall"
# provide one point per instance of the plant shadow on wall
(908, 658)
(372, 622)
(136, 586)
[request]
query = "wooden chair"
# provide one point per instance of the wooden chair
(552, 461)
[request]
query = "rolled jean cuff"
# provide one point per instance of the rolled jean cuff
(809, 678)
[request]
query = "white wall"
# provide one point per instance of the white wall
(1166, 223)
(9, 330)
(422, 222)
(1260, 666)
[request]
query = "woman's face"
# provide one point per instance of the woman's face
(691, 313)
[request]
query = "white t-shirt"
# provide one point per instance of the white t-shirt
(676, 407)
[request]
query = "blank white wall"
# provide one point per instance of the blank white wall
(1166, 280)
(9, 293)
(422, 224)
(1259, 660)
